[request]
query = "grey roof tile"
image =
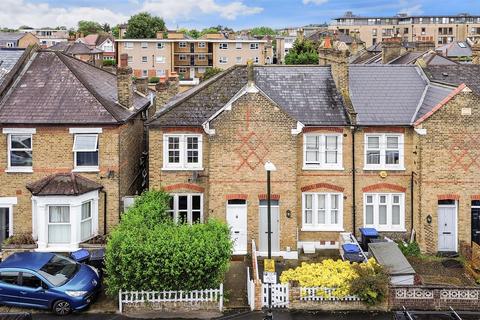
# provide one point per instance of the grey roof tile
(8, 59)
(307, 93)
(456, 75)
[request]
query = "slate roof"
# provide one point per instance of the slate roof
(391, 94)
(8, 59)
(456, 75)
(453, 49)
(64, 184)
(74, 48)
(307, 93)
(59, 89)
(11, 36)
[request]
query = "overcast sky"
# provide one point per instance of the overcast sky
(237, 14)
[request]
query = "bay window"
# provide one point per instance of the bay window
(384, 211)
(384, 152)
(182, 152)
(186, 208)
(86, 221)
(322, 211)
(323, 152)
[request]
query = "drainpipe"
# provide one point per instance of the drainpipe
(411, 202)
(353, 129)
(104, 212)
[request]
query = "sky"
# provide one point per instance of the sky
(237, 14)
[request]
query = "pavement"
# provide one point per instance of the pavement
(280, 315)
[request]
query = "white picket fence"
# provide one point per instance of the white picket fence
(158, 297)
(250, 290)
(323, 294)
(279, 295)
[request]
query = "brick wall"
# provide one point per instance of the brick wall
(52, 153)
(448, 166)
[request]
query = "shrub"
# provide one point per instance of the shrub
(153, 79)
(18, 239)
(109, 63)
(410, 249)
(211, 72)
(371, 284)
(147, 251)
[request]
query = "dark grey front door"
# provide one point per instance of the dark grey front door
(4, 224)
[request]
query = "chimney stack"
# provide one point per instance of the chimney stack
(391, 49)
(124, 82)
(300, 35)
(142, 85)
(339, 63)
(476, 52)
(166, 88)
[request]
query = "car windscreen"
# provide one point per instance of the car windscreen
(59, 270)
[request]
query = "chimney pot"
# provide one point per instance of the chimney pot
(123, 60)
(142, 85)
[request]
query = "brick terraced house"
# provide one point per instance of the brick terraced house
(72, 143)
(343, 138)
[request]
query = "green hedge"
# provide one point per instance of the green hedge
(107, 63)
(147, 251)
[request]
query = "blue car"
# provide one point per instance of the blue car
(47, 281)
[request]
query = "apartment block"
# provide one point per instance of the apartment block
(443, 29)
(189, 57)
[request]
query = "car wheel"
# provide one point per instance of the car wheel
(61, 308)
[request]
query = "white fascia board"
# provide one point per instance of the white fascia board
(19, 130)
(85, 130)
(421, 131)
(298, 129)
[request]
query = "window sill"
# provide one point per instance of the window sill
(19, 170)
(323, 168)
(322, 229)
(182, 169)
(86, 169)
(383, 169)
(386, 230)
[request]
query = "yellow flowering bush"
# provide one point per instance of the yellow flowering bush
(329, 273)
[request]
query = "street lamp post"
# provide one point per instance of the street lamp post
(269, 167)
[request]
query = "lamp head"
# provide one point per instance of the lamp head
(269, 166)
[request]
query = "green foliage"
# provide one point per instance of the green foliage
(303, 52)
(147, 251)
(263, 31)
(153, 79)
(89, 27)
(144, 26)
(409, 249)
(371, 285)
(106, 27)
(195, 34)
(215, 29)
(107, 63)
(116, 31)
(211, 72)
(19, 239)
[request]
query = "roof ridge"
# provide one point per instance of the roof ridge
(79, 60)
(100, 99)
(194, 91)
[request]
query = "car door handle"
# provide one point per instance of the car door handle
(447, 233)
(23, 292)
(236, 232)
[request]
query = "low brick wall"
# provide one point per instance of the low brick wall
(131, 308)
(11, 249)
(434, 298)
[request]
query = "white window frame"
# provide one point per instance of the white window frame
(202, 45)
(223, 60)
(10, 44)
(223, 46)
(256, 60)
(182, 44)
(327, 226)
(85, 168)
(160, 59)
(128, 45)
(238, 45)
(254, 46)
(182, 164)
(182, 70)
(389, 203)
(9, 202)
(382, 148)
(182, 57)
(144, 59)
(59, 223)
(130, 59)
(11, 168)
(189, 206)
(322, 165)
(144, 45)
(202, 57)
(160, 72)
(90, 219)
(160, 45)
(238, 60)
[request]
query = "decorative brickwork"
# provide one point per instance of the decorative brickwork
(236, 196)
(322, 186)
(448, 197)
(384, 186)
(384, 130)
(328, 129)
(263, 196)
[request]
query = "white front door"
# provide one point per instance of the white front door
(447, 225)
(237, 221)
(275, 229)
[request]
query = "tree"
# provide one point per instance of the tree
(144, 26)
(148, 251)
(106, 27)
(211, 72)
(263, 31)
(303, 52)
(116, 31)
(88, 27)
